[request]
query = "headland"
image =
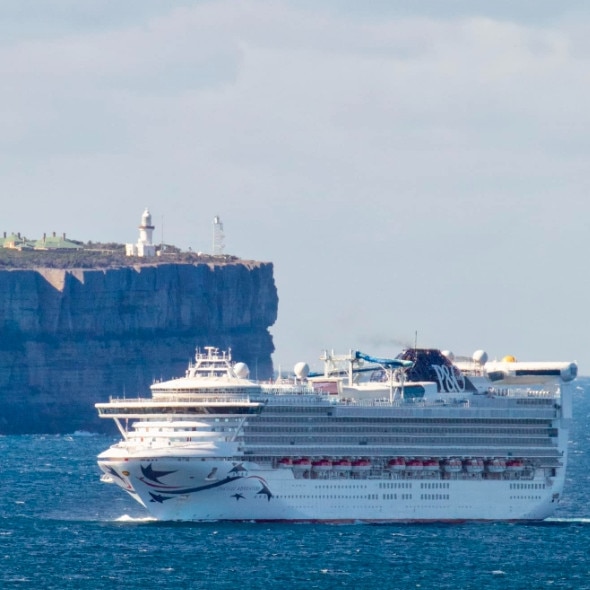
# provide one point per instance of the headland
(78, 325)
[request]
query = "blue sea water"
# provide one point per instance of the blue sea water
(61, 528)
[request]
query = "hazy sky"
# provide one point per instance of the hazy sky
(408, 167)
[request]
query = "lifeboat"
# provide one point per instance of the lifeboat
(321, 465)
(285, 463)
(360, 466)
(514, 465)
(474, 465)
(342, 465)
(414, 465)
(431, 465)
(301, 464)
(496, 465)
(397, 464)
(453, 465)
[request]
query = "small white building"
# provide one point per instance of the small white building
(144, 246)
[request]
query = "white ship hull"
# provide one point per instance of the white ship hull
(198, 490)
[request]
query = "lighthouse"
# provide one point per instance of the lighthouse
(144, 246)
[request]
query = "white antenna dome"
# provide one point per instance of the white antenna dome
(301, 370)
(448, 354)
(241, 370)
(480, 357)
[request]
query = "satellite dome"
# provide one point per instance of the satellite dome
(509, 359)
(301, 370)
(448, 354)
(241, 370)
(480, 357)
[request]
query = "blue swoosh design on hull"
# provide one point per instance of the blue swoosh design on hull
(160, 498)
(161, 495)
(171, 493)
(150, 473)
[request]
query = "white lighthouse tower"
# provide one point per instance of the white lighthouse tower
(144, 246)
(218, 236)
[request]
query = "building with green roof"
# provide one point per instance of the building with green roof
(15, 242)
(54, 242)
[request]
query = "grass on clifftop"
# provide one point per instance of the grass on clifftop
(99, 256)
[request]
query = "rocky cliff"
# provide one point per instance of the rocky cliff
(70, 338)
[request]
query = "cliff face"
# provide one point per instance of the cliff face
(70, 338)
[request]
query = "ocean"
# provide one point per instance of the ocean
(61, 528)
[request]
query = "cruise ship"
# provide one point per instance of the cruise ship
(421, 437)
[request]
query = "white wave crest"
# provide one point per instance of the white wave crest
(127, 518)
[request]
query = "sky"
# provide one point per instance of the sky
(418, 173)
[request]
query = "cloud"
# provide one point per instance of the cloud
(280, 96)
(385, 156)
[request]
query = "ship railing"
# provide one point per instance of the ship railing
(304, 395)
(180, 437)
(522, 392)
(324, 399)
(295, 390)
(447, 401)
(301, 400)
(423, 476)
(382, 403)
(416, 408)
(448, 411)
(183, 399)
(544, 456)
(200, 391)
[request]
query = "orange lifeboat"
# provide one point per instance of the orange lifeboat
(285, 463)
(360, 466)
(414, 465)
(342, 465)
(321, 465)
(453, 465)
(397, 464)
(496, 465)
(301, 464)
(431, 465)
(474, 465)
(514, 465)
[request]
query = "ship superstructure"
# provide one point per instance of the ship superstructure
(417, 438)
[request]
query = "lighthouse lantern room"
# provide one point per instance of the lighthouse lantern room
(144, 246)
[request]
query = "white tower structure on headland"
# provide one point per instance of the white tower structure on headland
(218, 236)
(144, 246)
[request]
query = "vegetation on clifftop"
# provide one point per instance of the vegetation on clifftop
(95, 255)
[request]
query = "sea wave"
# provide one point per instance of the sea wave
(127, 518)
(568, 520)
